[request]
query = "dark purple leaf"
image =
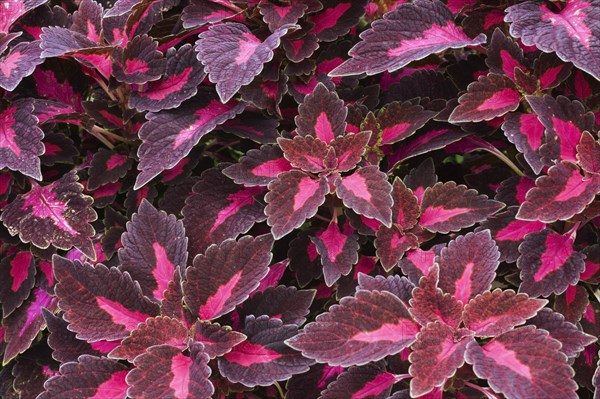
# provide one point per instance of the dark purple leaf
(299, 49)
(306, 153)
(87, 20)
(217, 340)
(18, 275)
(202, 12)
(550, 70)
(139, 62)
(338, 249)
(13, 10)
(504, 55)
(399, 120)
(266, 93)
(107, 167)
(322, 115)
(349, 149)
(336, 18)
(370, 381)
(434, 138)
(277, 16)
(527, 133)
(588, 153)
(311, 383)
(572, 303)
(397, 285)
(19, 63)
(285, 303)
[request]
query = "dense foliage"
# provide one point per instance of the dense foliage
(299, 199)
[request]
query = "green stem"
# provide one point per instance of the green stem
(104, 87)
(99, 130)
(280, 390)
(103, 139)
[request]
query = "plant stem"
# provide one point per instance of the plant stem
(103, 139)
(484, 391)
(102, 84)
(281, 394)
(104, 132)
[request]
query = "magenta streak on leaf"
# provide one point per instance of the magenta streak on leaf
(434, 36)
(136, 66)
(92, 34)
(215, 303)
(115, 161)
(272, 168)
(108, 389)
(463, 284)
(323, 128)
(438, 214)
(589, 314)
(569, 138)
(180, 368)
(550, 75)
(104, 346)
(507, 358)
(390, 133)
(51, 149)
(214, 109)
(102, 62)
(517, 230)
(10, 63)
(107, 190)
(358, 186)
(329, 18)
(307, 187)
(329, 372)
(574, 187)
(44, 205)
(570, 294)
(247, 354)
(163, 272)
(19, 268)
(120, 35)
(238, 201)
(558, 250)
(504, 98)
(591, 269)
(509, 64)
(533, 128)
(492, 18)
(247, 48)
(388, 332)
(112, 118)
(120, 314)
(334, 241)
(572, 18)
(376, 386)
(42, 300)
(158, 91)
(7, 133)
(282, 11)
(522, 188)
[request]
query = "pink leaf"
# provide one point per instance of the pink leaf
(338, 250)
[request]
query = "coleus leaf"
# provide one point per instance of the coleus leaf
(169, 136)
(396, 284)
(164, 371)
(305, 153)
(572, 32)
(524, 362)
(360, 329)
(217, 340)
(322, 115)
(288, 304)
(398, 120)
(87, 20)
(13, 10)
(410, 32)
(527, 134)
(338, 249)
(489, 97)
(19, 63)
(560, 195)
(99, 303)
(18, 274)
(244, 59)
(277, 16)
(368, 193)
(548, 263)
(292, 198)
(202, 12)
(437, 353)
(107, 167)
(573, 303)
(336, 18)
(21, 140)
(88, 377)
(225, 275)
(56, 214)
(450, 207)
(436, 137)
(588, 153)
(369, 381)
(139, 62)
(311, 383)
(153, 246)
(349, 149)
(504, 55)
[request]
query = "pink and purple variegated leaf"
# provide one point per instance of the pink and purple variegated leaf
(180, 82)
(88, 377)
(87, 20)
(202, 12)
(525, 362)
(490, 96)
(450, 207)
(494, 312)
(359, 330)
(58, 41)
(560, 195)
(322, 115)
(292, 198)
(504, 55)
(468, 265)
(99, 303)
(15, 9)
(437, 353)
(57, 214)
(169, 136)
(368, 193)
(218, 209)
(139, 62)
(573, 340)
(392, 244)
(277, 16)
(370, 381)
(21, 140)
(264, 357)
(417, 262)
(429, 304)
(311, 383)
(396, 284)
(18, 275)
(338, 249)
(410, 32)
(305, 153)
(420, 178)
(19, 63)
(217, 340)
(288, 304)
(588, 153)
(548, 263)
(349, 149)
(336, 18)
(225, 275)
(399, 120)
(431, 139)
(551, 71)
(527, 134)
(233, 55)
(258, 167)
(107, 167)
(572, 30)
(163, 371)
(153, 246)
(573, 303)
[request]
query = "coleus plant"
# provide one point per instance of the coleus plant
(330, 199)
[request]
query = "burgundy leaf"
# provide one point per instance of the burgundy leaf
(305, 153)
(218, 209)
(410, 32)
(217, 340)
(285, 303)
(420, 178)
(58, 41)
(163, 371)
(258, 167)
(15, 10)
(369, 381)
(368, 193)
(396, 284)
(56, 214)
(298, 50)
(322, 115)
(560, 195)
(468, 265)
(437, 353)
(438, 136)
(277, 16)
(225, 275)
(292, 198)
(311, 383)
(588, 153)
(99, 303)
(548, 263)
(338, 249)
(171, 303)
(450, 207)
(169, 136)
(527, 133)
(264, 357)
(233, 56)
(524, 362)
(266, 93)
(417, 262)
(349, 149)
(88, 377)
(19, 63)
(391, 245)
(139, 62)
(18, 275)
(572, 303)
(399, 120)
(504, 55)
(336, 18)
(551, 70)
(87, 20)
(202, 12)
(489, 97)
(304, 259)
(107, 167)
(361, 329)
